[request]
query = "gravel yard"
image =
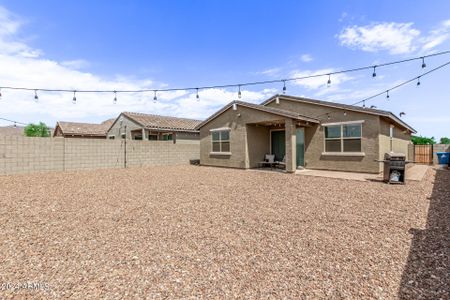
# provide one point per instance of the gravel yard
(186, 231)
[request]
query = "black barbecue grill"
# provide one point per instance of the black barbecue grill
(394, 170)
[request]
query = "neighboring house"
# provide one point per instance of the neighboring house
(304, 132)
(12, 130)
(82, 130)
(139, 126)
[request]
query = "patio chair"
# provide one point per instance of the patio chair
(281, 163)
(269, 160)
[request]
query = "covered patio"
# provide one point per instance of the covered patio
(282, 137)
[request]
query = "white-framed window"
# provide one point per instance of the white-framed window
(220, 139)
(343, 137)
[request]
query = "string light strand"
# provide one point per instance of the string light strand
(284, 80)
(12, 121)
(363, 101)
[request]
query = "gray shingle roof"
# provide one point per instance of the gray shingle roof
(379, 112)
(151, 121)
(278, 111)
(272, 110)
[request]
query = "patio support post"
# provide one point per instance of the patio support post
(290, 145)
(143, 134)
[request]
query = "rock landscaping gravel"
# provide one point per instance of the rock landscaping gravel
(199, 232)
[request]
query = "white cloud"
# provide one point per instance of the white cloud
(270, 72)
(319, 81)
(212, 100)
(306, 57)
(396, 38)
(344, 15)
(437, 36)
(10, 43)
(25, 66)
(9, 22)
(76, 64)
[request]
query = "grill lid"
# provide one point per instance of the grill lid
(394, 156)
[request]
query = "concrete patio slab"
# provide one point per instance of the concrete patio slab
(415, 173)
(339, 175)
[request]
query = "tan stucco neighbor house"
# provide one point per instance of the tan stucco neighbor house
(12, 130)
(140, 126)
(82, 130)
(302, 132)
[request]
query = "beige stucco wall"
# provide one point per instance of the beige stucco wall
(57, 131)
(315, 138)
(246, 149)
(249, 143)
(400, 141)
(116, 128)
(258, 144)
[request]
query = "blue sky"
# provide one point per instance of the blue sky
(157, 44)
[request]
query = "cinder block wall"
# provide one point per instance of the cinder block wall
(28, 155)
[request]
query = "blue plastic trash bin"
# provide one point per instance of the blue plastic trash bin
(443, 157)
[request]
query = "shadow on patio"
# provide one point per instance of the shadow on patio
(426, 274)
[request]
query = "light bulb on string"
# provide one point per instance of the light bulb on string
(239, 85)
(74, 99)
(0, 93)
(154, 97)
(364, 103)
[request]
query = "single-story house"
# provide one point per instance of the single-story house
(140, 126)
(12, 130)
(82, 130)
(302, 133)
